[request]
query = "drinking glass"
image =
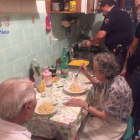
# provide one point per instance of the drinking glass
(48, 91)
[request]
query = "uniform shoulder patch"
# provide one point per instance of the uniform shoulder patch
(106, 20)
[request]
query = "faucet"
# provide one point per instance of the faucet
(71, 49)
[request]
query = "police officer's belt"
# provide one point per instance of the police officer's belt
(137, 67)
(118, 48)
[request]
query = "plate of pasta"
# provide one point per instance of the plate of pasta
(75, 88)
(46, 107)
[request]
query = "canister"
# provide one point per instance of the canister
(72, 6)
(48, 78)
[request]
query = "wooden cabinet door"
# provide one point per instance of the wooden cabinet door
(29, 6)
(48, 6)
(10, 6)
(87, 6)
(90, 6)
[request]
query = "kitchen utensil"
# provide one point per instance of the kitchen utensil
(60, 86)
(78, 72)
(78, 62)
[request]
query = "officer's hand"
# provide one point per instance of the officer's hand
(88, 43)
(123, 72)
(83, 69)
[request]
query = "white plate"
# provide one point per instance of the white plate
(66, 88)
(39, 102)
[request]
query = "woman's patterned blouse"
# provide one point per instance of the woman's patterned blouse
(118, 100)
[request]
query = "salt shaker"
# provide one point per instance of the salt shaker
(48, 78)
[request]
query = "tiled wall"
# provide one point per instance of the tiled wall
(27, 40)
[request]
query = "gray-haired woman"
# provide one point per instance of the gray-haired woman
(111, 122)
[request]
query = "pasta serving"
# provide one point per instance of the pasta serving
(46, 108)
(75, 88)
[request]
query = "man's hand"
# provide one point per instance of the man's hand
(88, 43)
(123, 72)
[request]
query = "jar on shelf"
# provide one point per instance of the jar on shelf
(72, 5)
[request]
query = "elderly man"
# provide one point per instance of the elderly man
(116, 30)
(17, 104)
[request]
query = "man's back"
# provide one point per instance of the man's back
(118, 25)
(12, 131)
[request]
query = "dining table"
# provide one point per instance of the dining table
(65, 122)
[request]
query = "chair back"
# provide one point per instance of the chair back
(129, 131)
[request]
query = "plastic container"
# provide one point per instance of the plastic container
(72, 6)
(42, 86)
(53, 70)
(64, 64)
(48, 78)
(35, 67)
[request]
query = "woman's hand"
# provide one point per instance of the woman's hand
(76, 103)
(83, 69)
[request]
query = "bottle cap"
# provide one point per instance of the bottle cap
(34, 59)
(47, 73)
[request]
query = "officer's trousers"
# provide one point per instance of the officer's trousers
(120, 60)
(135, 84)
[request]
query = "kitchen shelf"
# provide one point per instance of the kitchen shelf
(82, 6)
(63, 12)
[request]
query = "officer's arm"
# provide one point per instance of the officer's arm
(132, 50)
(99, 37)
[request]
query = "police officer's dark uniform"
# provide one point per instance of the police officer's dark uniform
(118, 25)
(135, 78)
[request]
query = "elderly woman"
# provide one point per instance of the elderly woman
(111, 122)
(17, 104)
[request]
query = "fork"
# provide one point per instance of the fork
(78, 72)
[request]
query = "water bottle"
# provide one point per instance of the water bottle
(64, 64)
(36, 71)
(35, 67)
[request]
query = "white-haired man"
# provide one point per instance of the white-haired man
(17, 104)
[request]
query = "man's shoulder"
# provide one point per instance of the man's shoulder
(115, 10)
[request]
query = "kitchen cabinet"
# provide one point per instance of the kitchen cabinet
(82, 6)
(10, 6)
(29, 6)
(18, 6)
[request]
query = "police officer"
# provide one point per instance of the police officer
(116, 30)
(134, 49)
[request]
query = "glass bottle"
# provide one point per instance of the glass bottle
(64, 64)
